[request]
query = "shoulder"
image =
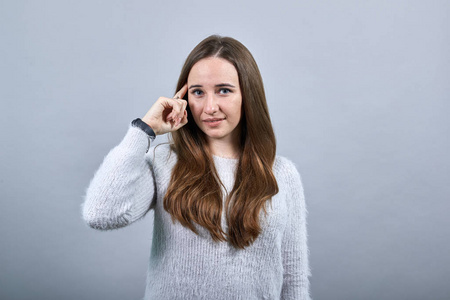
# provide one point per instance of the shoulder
(284, 167)
(286, 173)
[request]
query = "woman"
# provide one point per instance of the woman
(230, 215)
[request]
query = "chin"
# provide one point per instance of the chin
(215, 136)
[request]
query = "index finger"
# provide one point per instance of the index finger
(180, 94)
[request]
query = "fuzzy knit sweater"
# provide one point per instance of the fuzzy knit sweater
(183, 265)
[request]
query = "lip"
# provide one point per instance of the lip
(213, 119)
(213, 122)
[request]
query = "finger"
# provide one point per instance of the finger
(172, 105)
(179, 110)
(180, 94)
(183, 108)
(176, 108)
(183, 121)
(170, 117)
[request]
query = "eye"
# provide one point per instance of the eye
(197, 92)
(224, 91)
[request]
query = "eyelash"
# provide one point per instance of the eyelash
(194, 92)
(225, 89)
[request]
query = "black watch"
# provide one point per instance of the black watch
(147, 129)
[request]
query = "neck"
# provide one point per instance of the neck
(224, 148)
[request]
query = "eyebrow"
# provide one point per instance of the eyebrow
(217, 85)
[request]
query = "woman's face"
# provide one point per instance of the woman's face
(214, 98)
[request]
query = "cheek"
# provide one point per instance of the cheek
(238, 110)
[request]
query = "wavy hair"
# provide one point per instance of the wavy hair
(194, 194)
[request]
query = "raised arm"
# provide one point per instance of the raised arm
(122, 189)
(295, 248)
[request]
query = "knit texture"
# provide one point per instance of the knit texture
(184, 265)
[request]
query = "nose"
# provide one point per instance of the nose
(211, 105)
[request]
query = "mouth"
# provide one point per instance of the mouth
(212, 122)
(213, 119)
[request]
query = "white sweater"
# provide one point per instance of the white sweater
(184, 265)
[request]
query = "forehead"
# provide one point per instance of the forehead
(213, 70)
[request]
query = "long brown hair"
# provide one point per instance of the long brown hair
(194, 194)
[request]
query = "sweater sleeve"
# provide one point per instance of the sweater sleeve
(122, 189)
(294, 243)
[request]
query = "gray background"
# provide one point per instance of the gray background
(359, 97)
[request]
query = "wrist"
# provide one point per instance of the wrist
(151, 124)
(146, 128)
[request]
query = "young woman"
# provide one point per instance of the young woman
(230, 215)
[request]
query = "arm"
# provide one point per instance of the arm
(122, 190)
(295, 248)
